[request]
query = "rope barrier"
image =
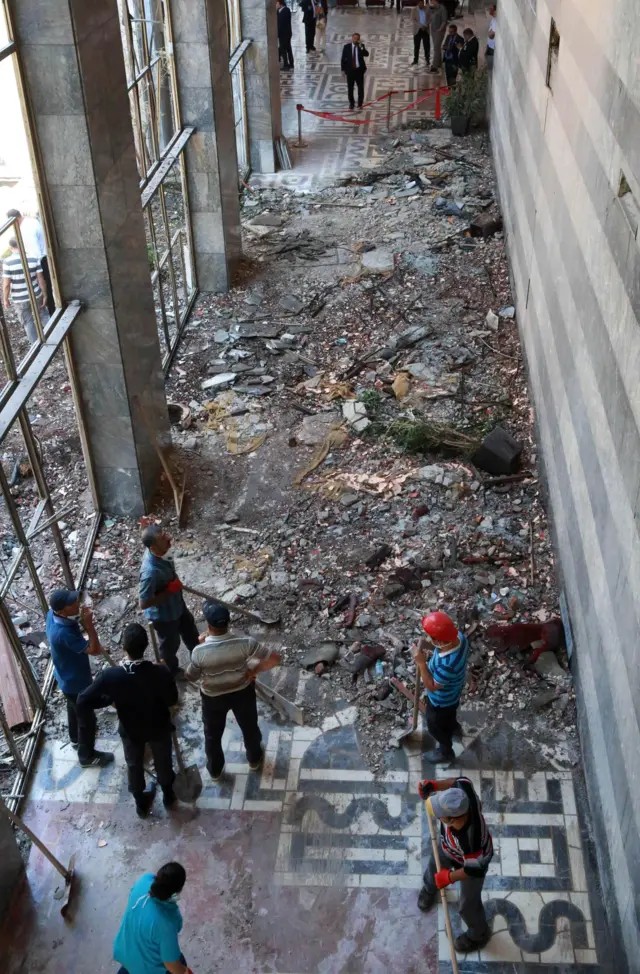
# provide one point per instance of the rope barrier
(439, 91)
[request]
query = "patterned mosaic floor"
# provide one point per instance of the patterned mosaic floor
(316, 82)
(335, 827)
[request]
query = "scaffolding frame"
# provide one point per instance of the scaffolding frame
(160, 139)
(22, 380)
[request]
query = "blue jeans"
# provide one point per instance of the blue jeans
(123, 970)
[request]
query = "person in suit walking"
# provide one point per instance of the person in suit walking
(284, 34)
(420, 17)
(309, 21)
(450, 54)
(468, 53)
(438, 23)
(353, 66)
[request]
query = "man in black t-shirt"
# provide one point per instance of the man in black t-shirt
(466, 849)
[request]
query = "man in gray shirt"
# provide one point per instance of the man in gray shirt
(225, 665)
(438, 21)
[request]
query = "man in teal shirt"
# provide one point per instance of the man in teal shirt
(147, 941)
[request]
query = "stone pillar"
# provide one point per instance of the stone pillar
(12, 865)
(262, 82)
(201, 50)
(71, 51)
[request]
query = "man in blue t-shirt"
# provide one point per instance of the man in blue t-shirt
(147, 941)
(70, 652)
(444, 677)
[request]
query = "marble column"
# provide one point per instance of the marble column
(71, 51)
(201, 50)
(262, 82)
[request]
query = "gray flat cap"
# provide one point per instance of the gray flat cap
(450, 803)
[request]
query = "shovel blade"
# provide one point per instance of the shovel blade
(63, 894)
(188, 785)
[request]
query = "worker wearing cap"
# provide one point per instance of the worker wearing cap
(161, 598)
(225, 665)
(142, 693)
(465, 848)
(70, 652)
(443, 676)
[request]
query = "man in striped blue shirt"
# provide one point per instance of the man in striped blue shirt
(444, 677)
(16, 289)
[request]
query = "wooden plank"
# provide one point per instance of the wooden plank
(15, 699)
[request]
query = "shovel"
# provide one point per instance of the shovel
(62, 894)
(188, 781)
(256, 616)
(416, 710)
(443, 893)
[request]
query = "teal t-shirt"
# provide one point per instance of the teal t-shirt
(148, 934)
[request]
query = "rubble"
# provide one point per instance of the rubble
(316, 492)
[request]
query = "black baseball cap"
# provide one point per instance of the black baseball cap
(216, 614)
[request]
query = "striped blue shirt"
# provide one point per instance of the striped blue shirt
(449, 670)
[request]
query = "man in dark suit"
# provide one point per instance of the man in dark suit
(309, 21)
(353, 66)
(284, 35)
(468, 53)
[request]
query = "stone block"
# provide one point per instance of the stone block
(64, 141)
(54, 85)
(47, 20)
(193, 63)
(378, 261)
(499, 453)
(84, 275)
(355, 414)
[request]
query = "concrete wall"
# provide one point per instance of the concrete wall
(559, 152)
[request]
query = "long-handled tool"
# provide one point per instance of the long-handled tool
(443, 894)
(416, 710)
(256, 616)
(62, 893)
(178, 491)
(188, 781)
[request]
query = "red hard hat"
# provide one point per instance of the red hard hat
(440, 627)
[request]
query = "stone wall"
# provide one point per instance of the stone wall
(567, 149)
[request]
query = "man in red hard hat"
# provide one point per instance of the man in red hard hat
(443, 676)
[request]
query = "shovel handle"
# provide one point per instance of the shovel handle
(154, 643)
(36, 841)
(176, 748)
(443, 895)
(230, 606)
(416, 702)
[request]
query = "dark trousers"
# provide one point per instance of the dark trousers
(355, 78)
(470, 904)
(169, 634)
(82, 727)
(422, 37)
(51, 304)
(243, 705)
(310, 35)
(451, 73)
(286, 54)
(134, 757)
(442, 723)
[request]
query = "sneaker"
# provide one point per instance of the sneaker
(414, 64)
(144, 800)
(255, 765)
(217, 777)
(99, 759)
(426, 899)
(464, 944)
(438, 756)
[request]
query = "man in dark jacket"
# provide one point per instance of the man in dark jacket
(468, 53)
(142, 693)
(353, 66)
(284, 34)
(309, 21)
(450, 54)
(161, 598)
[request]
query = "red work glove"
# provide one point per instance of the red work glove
(175, 585)
(426, 788)
(443, 878)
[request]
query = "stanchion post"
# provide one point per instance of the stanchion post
(389, 110)
(299, 110)
(438, 110)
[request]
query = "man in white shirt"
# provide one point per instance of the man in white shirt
(35, 246)
(420, 19)
(491, 37)
(15, 289)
